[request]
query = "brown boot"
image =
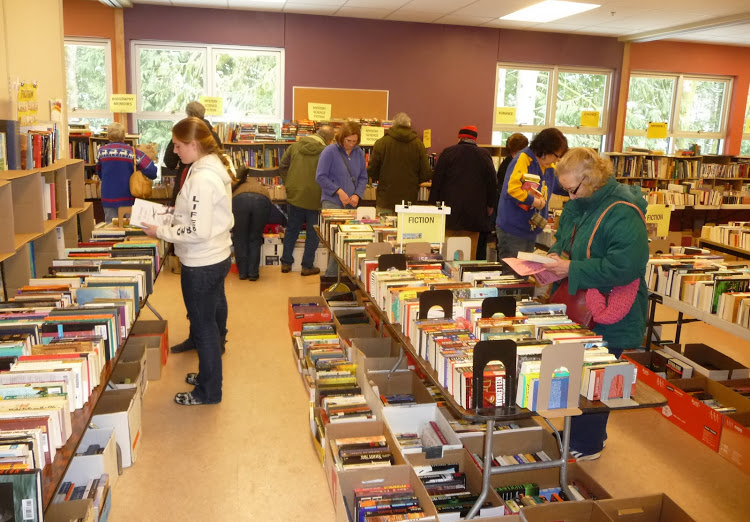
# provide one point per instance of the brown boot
(310, 271)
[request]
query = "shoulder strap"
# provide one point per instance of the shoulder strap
(598, 221)
(346, 163)
(135, 160)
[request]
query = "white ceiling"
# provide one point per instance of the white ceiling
(617, 18)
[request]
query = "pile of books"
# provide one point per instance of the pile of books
(356, 452)
(96, 489)
(384, 502)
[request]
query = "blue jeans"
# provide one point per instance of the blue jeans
(206, 303)
(296, 218)
(589, 431)
(333, 266)
(250, 215)
(509, 245)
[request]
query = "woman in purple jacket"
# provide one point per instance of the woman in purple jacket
(342, 174)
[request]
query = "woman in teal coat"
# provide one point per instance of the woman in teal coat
(616, 257)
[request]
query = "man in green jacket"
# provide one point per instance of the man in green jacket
(399, 164)
(297, 170)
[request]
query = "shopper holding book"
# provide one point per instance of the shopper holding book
(251, 204)
(522, 209)
(200, 233)
(601, 247)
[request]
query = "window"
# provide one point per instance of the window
(88, 77)
(553, 97)
(694, 108)
(745, 148)
(169, 76)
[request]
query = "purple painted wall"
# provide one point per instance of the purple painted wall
(442, 76)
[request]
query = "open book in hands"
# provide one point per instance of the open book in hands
(145, 211)
(527, 264)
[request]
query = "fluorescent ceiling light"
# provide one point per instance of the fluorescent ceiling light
(548, 11)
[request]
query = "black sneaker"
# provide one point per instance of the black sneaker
(192, 378)
(184, 346)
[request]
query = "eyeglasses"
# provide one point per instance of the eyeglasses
(575, 190)
(555, 155)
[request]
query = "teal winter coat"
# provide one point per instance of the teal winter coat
(619, 253)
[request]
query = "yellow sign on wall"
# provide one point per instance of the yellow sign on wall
(747, 125)
(589, 118)
(319, 111)
(28, 103)
(657, 130)
(371, 134)
(122, 103)
(427, 138)
(657, 220)
(214, 105)
(505, 115)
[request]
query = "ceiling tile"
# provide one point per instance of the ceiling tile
(377, 4)
(454, 19)
(492, 8)
(313, 9)
(216, 4)
(363, 12)
(509, 24)
(255, 4)
(402, 15)
(153, 2)
(437, 6)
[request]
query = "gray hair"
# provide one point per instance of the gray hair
(195, 109)
(327, 133)
(115, 131)
(402, 120)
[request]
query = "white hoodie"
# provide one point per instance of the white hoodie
(202, 215)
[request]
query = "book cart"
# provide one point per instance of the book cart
(505, 352)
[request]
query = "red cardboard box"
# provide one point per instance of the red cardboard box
(735, 440)
(297, 318)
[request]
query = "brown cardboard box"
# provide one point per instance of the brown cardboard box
(376, 354)
(80, 510)
(144, 328)
(135, 351)
(473, 479)
(584, 511)
(345, 482)
(118, 409)
(153, 358)
(652, 508)
(478, 429)
(416, 419)
(513, 442)
(709, 362)
(400, 381)
(127, 375)
(550, 478)
(354, 429)
(347, 332)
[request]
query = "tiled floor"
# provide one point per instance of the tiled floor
(251, 457)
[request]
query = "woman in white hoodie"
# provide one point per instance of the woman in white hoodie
(200, 233)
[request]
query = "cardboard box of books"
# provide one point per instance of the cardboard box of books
(515, 446)
(347, 332)
(708, 362)
(96, 455)
(307, 310)
(582, 485)
(147, 328)
(153, 358)
(651, 508)
(79, 510)
(127, 375)
(374, 354)
(402, 388)
(421, 428)
(353, 487)
(118, 409)
(270, 254)
(698, 405)
(584, 511)
(461, 458)
(734, 444)
(651, 366)
(465, 429)
(346, 435)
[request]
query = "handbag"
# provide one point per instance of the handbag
(140, 185)
(588, 307)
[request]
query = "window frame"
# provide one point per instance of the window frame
(75, 113)
(673, 121)
(554, 79)
(746, 135)
(209, 68)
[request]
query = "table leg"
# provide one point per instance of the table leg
(486, 471)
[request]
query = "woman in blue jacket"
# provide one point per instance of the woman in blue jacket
(341, 173)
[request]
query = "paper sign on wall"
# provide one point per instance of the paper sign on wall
(505, 115)
(427, 138)
(657, 130)
(319, 111)
(55, 110)
(214, 105)
(122, 103)
(657, 220)
(371, 134)
(28, 105)
(589, 118)
(747, 125)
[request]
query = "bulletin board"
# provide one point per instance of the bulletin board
(345, 103)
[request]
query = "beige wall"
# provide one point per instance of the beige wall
(32, 48)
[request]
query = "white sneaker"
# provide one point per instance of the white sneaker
(580, 457)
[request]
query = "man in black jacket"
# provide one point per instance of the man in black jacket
(465, 180)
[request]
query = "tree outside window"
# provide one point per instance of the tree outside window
(88, 78)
